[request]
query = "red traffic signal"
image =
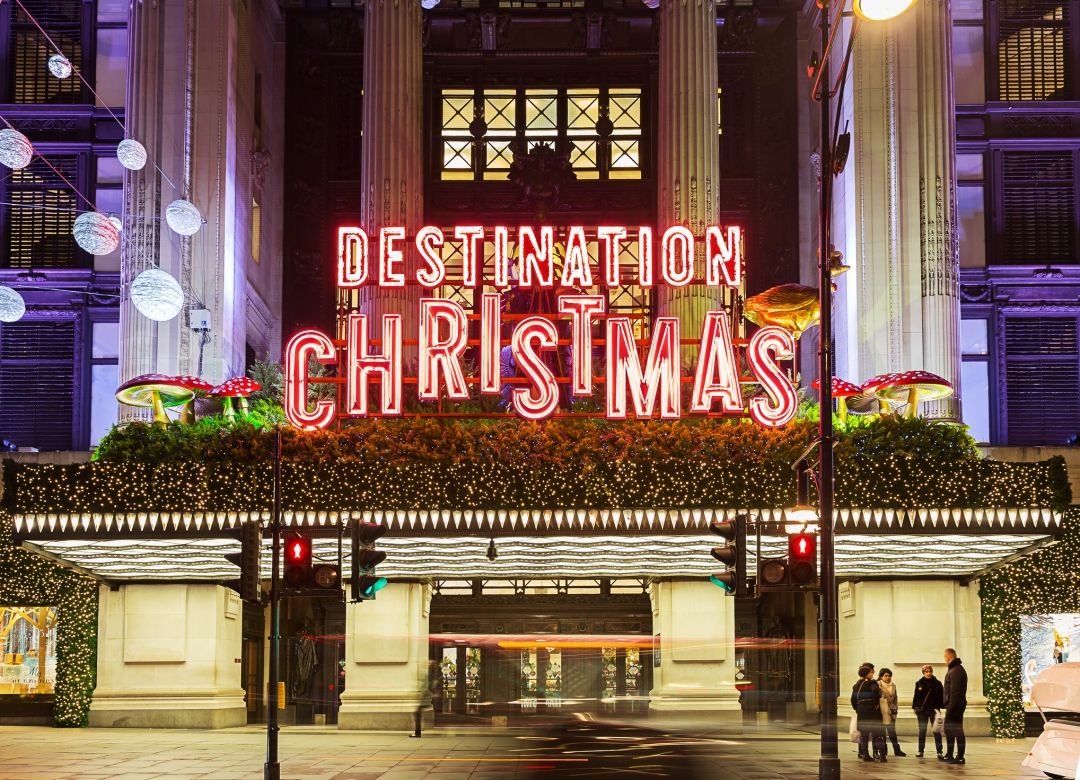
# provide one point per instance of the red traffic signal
(297, 561)
(802, 558)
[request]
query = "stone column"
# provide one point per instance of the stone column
(903, 624)
(169, 657)
(894, 205)
(386, 660)
(695, 621)
(687, 166)
(392, 164)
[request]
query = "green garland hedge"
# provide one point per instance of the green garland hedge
(28, 580)
(1044, 582)
(425, 464)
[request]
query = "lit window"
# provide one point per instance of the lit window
(1033, 50)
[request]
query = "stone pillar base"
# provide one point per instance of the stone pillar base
(716, 712)
(382, 716)
(168, 711)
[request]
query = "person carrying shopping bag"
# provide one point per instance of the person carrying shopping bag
(866, 701)
(926, 702)
(889, 708)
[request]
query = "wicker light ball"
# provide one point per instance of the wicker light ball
(15, 149)
(157, 295)
(183, 217)
(95, 233)
(60, 66)
(131, 154)
(12, 305)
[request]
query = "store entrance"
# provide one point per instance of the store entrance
(312, 660)
(539, 656)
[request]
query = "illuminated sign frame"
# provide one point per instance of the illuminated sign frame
(632, 390)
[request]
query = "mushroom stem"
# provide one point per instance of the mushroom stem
(160, 418)
(244, 405)
(912, 401)
(187, 412)
(229, 411)
(841, 408)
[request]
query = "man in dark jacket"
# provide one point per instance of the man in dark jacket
(926, 702)
(955, 700)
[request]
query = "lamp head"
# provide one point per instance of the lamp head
(880, 10)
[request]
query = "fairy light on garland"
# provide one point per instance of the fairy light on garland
(29, 580)
(1045, 582)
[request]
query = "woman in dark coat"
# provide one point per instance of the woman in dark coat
(866, 701)
(926, 702)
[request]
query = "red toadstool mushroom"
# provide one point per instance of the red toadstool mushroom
(154, 391)
(871, 387)
(910, 387)
(841, 391)
(196, 385)
(237, 387)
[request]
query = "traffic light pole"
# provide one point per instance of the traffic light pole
(829, 761)
(272, 767)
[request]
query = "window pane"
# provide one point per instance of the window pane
(973, 337)
(104, 379)
(541, 113)
(42, 213)
(975, 384)
(1032, 50)
(105, 342)
(1038, 198)
(112, 54)
(29, 50)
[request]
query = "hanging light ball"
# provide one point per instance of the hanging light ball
(117, 223)
(157, 295)
(60, 66)
(15, 149)
(183, 217)
(131, 154)
(12, 305)
(96, 233)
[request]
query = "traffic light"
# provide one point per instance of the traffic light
(364, 582)
(802, 559)
(732, 555)
(297, 561)
(249, 559)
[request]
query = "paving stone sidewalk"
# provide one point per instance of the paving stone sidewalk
(32, 753)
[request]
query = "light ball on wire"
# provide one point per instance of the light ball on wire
(95, 233)
(157, 295)
(131, 154)
(60, 66)
(183, 217)
(12, 305)
(15, 149)
(116, 222)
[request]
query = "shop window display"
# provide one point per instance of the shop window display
(28, 636)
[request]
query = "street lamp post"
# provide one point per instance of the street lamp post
(822, 92)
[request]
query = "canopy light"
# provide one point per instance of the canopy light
(95, 233)
(15, 149)
(131, 154)
(12, 305)
(880, 10)
(183, 217)
(157, 295)
(60, 66)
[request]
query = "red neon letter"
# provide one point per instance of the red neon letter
(301, 347)
(471, 238)
(352, 257)
(502, 257)
(575, 270)
(661, 369)
(677, 263)
(490, 328)
(441, 352)
(391, 256)
(429, 241)
(717, 375)
(609, 238)
(581, 308)
(536, 256)
(387, 364)
(531, 336)
(645, 256)
(723, 259)
(767, 346)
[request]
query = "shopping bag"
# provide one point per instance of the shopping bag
(854, 728)
(939, 723)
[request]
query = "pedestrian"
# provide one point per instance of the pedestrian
(889, 709)
(954, 699)
(866, 701)
(926, 702)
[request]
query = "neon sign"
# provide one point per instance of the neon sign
(372, 352)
